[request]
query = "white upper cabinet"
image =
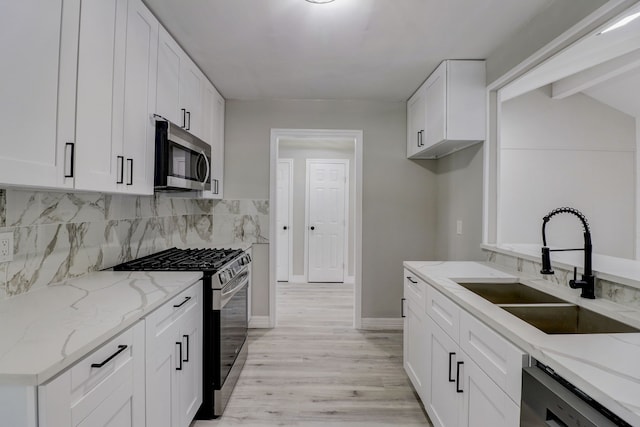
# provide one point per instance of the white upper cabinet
(416, 122)
(451, 105)
(213, 114)
(116, 89)
(38, 43)
(181, 88)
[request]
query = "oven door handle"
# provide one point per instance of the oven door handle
(236, 288)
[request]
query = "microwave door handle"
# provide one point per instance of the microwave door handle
(206, 177)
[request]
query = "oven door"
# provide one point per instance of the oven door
(233, 322)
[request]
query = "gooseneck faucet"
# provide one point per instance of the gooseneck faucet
(588, 280)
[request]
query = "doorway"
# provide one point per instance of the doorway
(330, 157)
(284, 218)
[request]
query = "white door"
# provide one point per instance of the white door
(283, 220)
(326, 219)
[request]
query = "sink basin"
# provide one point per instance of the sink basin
(568, 319)
(510, 293)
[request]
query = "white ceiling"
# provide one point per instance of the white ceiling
(348, 49)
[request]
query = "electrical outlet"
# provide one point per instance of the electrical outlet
(6, 247)
(459, 227)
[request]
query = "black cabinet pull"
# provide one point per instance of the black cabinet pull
(402, 300)
(215, 186)
(182, 303)
(450, 358)
(418, 139)
(458, 389)
(121, 348)
(189, 122)
(120, 166)
(179, 368)
(71, 159)
(411, 280)
(187, 337)
(130, 162)
(184, 118)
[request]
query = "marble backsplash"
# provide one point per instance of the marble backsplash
(62, 235)
(241, 221)
(616, 292)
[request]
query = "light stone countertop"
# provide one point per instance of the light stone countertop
(47, 330)
(604, 366)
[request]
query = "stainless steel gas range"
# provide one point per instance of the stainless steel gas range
(226, 285)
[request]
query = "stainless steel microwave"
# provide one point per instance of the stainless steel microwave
(182, 160)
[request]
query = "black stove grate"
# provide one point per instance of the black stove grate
(175, 259)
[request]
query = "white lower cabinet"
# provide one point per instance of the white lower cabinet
(414, 349)
(470, 375)
(104, 389)
(174, 360)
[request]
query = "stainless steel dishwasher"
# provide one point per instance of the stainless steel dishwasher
(549, 400)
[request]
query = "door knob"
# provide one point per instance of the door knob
(284, 228)
(312, 228)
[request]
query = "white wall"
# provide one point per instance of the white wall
(573, 152)
(459, 197)
(300, 152)
(399, 212)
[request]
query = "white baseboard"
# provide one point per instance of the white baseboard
(382, 323)
(298, 279)
(350, 280)
(259, 322)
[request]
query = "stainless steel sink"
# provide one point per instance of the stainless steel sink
(568, 319)
(510, 293)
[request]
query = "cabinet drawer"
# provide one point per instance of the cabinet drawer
(498, 358)
(414, 288)
(166, 315)
(444, 312)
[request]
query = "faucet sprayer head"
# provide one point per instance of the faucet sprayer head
(546, 261)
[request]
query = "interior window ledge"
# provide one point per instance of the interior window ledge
(617, 270)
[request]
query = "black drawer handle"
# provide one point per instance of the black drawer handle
(189, 118)
(182, 303)
(411, 280)
(458, 389)
(121, 348)
(402, 307)
(179, 368)
(187, 358)
(184, 118)
(450, 358)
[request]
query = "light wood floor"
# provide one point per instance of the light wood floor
(315, 370)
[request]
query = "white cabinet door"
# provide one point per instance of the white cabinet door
(416, 349)
(485, 404)
(38, 42)
(139, 100)
(190, 377)
(168, 92)
(444, 402)
(191, 85)
(416, 122)
(435, 106)
(99, 104)
(217, 149)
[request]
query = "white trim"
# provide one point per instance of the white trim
(259, 322)
(345, 234)
(382, 323)
(349, 280)
(290, 235)
(357, 137)
(588, 25)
